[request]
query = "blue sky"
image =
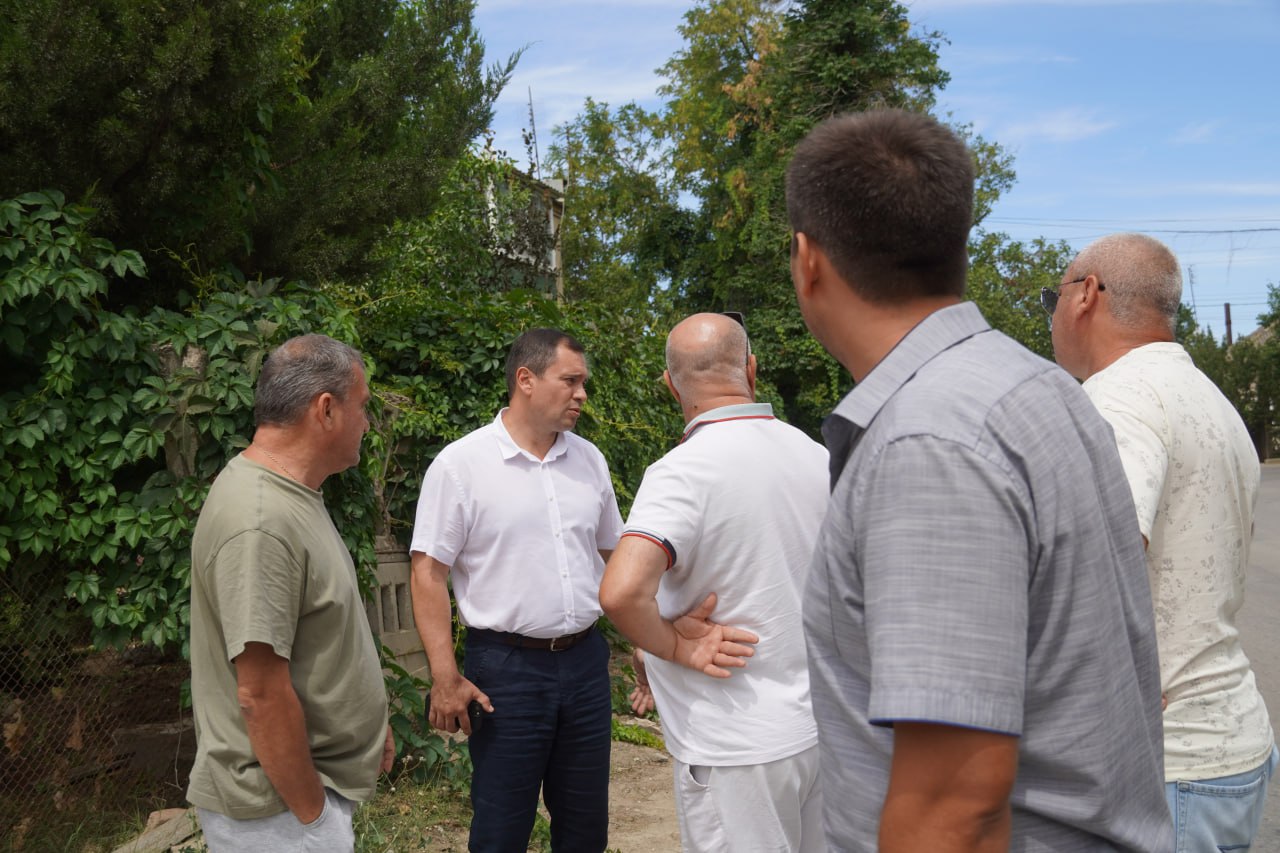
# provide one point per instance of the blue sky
(1160, 116)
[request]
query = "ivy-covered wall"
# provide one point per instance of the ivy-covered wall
(114, 423)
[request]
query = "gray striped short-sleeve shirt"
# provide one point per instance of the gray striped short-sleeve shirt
(980, 567)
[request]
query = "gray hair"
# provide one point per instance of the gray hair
(723, 358)
(298, 371)
(1141, 274)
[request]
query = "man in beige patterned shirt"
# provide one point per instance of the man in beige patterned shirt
(1194, 475)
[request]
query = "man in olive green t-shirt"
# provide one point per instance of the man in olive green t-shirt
(290, 707)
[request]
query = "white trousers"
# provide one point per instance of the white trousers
(773, 807)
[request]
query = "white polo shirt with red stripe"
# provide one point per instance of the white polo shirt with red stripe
(736, 506)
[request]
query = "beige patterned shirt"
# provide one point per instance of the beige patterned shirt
(1194, 475)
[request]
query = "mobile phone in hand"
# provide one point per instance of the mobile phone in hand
(475, 713)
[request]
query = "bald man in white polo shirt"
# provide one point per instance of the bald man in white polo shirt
(725, 523)
(521, 514)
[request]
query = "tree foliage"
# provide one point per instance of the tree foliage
(684, 209)
(278, 136)
(623, 227)
(115, 422)
(1247, 371)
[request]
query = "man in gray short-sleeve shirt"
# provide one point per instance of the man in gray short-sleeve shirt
(981, 645)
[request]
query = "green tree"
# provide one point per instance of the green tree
(751, 80)
(1270, 318)
(1247, 372)
(280, 136)
(1005, 278)
(114, 423)
(623, 227)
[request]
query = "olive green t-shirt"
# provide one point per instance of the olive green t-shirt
(268, 566)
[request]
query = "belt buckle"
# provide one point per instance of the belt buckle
(554, 640)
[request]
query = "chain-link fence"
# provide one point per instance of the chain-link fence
(88, 738)
(74, 738)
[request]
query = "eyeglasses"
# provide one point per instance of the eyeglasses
(1049, 295)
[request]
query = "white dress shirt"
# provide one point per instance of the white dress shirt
(522, 535)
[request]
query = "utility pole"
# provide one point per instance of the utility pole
(533, 139)
(1227, 307)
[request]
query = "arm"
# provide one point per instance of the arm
(628, 595)
(277, 729)
(948, 790)
(450, 692)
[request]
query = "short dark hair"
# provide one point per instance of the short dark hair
(298, 371)
(888, 196)
(536, 350)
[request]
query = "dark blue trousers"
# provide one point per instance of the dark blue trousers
(549, 730)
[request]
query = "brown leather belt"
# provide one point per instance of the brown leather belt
(551, 644)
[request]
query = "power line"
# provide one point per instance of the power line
(1035, 219)
(1094, 223)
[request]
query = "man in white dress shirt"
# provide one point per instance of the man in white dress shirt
(522, 516)
(1194, 475)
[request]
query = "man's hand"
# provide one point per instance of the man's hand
(449, 700)
(641, 697)
(450, 692)
(709, 646)
(628, 595)
(388, 752)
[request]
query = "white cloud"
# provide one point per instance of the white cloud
(923, 6)
(1245, 189)
(491, 5)
(975, 57)
(1195, 133)
(1070, 124)
(575, 81)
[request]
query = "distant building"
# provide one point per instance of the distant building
(533, 246)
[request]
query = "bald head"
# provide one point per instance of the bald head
(1141, 274)
(708, 356)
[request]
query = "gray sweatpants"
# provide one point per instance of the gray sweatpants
(282, 833)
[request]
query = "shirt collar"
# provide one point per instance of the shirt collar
(507, 445)
(736, 412)
(932, 336)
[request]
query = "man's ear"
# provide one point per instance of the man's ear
(524, 379)
(751, 374)
(1085, 302)
(805, 264)
(666, 377)
(322, 410)
(1091, 293)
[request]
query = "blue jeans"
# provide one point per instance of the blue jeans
(550, 729)
(1212, 815)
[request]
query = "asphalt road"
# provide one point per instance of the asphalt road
(1260, 629)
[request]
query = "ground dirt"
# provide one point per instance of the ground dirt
(133, 692)
(642, 808)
